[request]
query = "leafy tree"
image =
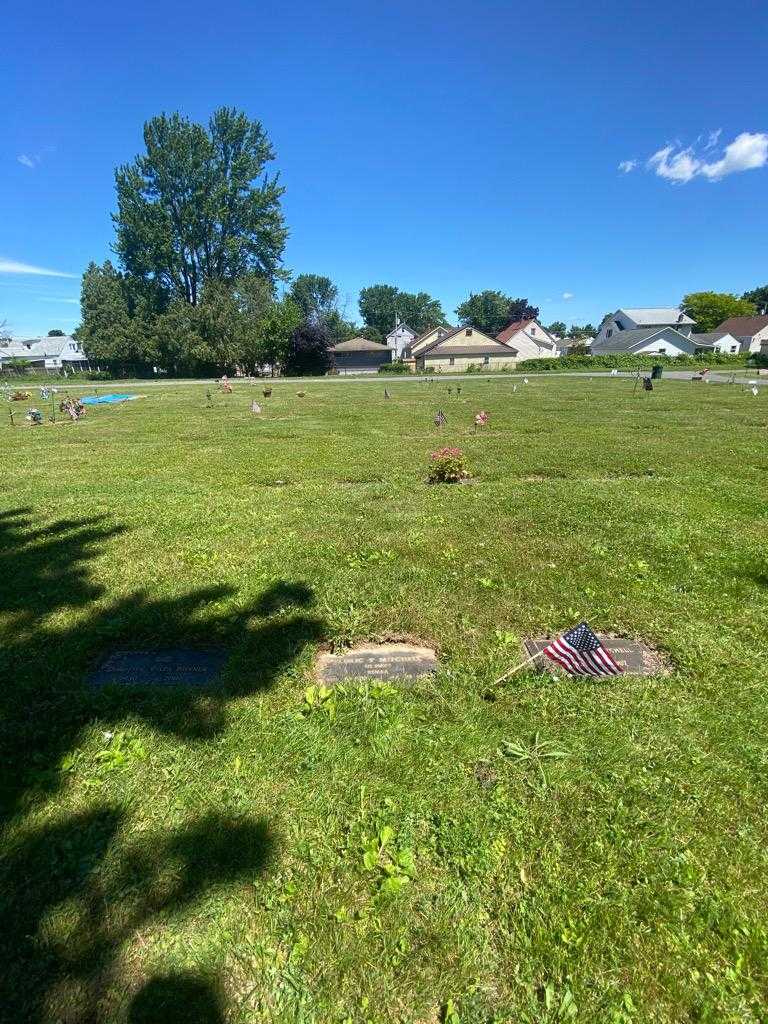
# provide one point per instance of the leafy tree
(587, 331)
(308, 351)
(558, 328)
(199, 206)
(380, 304)
(490, 311)
(116, 317)
(56, 334)
(316, 296)
(709, 309)
(758, 297)
(271, 342)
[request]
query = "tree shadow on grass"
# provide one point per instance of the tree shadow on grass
(77, 888)
(183, 998)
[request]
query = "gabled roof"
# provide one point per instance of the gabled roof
(429, 330)
(624, 341)
(359, 345)
(657, 316)
(402, 327)
(516, 326)
(743, 326)
(490, 347)
(710, 338)
(36, 348)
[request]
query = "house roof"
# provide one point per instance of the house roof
(36, 348)
(429, 330)
(359, 345)
(516, 326)
(498, 350)
(653, 316)
(623, 341)
(402, 327)
(710, 338)
(743, 326)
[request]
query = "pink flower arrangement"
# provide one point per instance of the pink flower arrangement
(448, 466)
(481, 418)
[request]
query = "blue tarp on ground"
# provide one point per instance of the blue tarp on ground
(106, 399)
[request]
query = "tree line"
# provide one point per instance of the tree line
(199, 285)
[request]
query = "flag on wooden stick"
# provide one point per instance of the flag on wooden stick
(580, 653)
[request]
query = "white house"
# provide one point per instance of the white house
(640, 319)
(663, 341)
(46, 353)
(751, 331)
(400, 338)
(530, 339)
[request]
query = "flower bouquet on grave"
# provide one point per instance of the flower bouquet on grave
(481, 419)
(447, 466)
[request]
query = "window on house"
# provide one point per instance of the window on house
(533, 330)
(468, 332)
(451, 361)
(487, 360)
(662, 351)
(609, 333)
(734, 348)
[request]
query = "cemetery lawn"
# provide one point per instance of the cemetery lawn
(545, 850)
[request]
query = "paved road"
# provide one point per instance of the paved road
(716, 377)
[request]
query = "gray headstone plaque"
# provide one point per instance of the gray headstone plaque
(633, 656)
(160, 669)
(385, 662)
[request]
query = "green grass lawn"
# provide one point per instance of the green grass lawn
(547, 850)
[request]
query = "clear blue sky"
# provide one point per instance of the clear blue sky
(438, 147)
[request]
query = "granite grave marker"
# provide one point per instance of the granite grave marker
(160, 668)
(386, 662)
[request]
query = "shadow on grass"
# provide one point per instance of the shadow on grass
(77, 887)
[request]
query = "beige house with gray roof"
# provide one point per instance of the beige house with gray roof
(457, 350)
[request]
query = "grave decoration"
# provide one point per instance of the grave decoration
(301, 394)
(481, 419)
(267, 392)
(35, 417)
(225, 386)
(581, 652)
(255, 407)
(440, 419)
(387, 394)
(385, 662)
(447, 466)
(21, 396)
(209, 398)
(73, 408)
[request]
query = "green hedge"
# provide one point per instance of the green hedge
(627, 361)
(397, 366)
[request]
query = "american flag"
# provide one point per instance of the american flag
(580, 653)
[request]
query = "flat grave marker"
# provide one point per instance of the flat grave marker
(633, 656)
(160, 669)
(385, 662)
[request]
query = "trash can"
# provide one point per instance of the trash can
(656, 372)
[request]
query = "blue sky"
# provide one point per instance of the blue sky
(438, 147)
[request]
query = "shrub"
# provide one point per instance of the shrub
(398, 366)
(627, 361)
(99, 375)
(447, 466)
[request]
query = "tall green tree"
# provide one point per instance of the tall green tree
(557, 327)
(56, 333)
(709, 309)
(381, 304)
(308, 351)
(117, 316)
(271, 339)
(199, 205)
(758, 297)
(317, 296)
(490, 311)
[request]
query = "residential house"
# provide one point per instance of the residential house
(751, 331)
(530, 339)
(456, 350)
(359, 355)
(662, 341)
(56, 353)
(400, 338)
(426, 338)
(642, 319)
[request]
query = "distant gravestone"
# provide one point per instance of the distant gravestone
(633, 656)
(386, 662)
(255, 407)
(160, 669)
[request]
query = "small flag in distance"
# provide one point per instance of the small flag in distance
(440, 419)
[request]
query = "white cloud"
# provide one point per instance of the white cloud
(52, 298)
(747, 152)
(627, 165)
(568, 295)
(28, 161)
(14, 267)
